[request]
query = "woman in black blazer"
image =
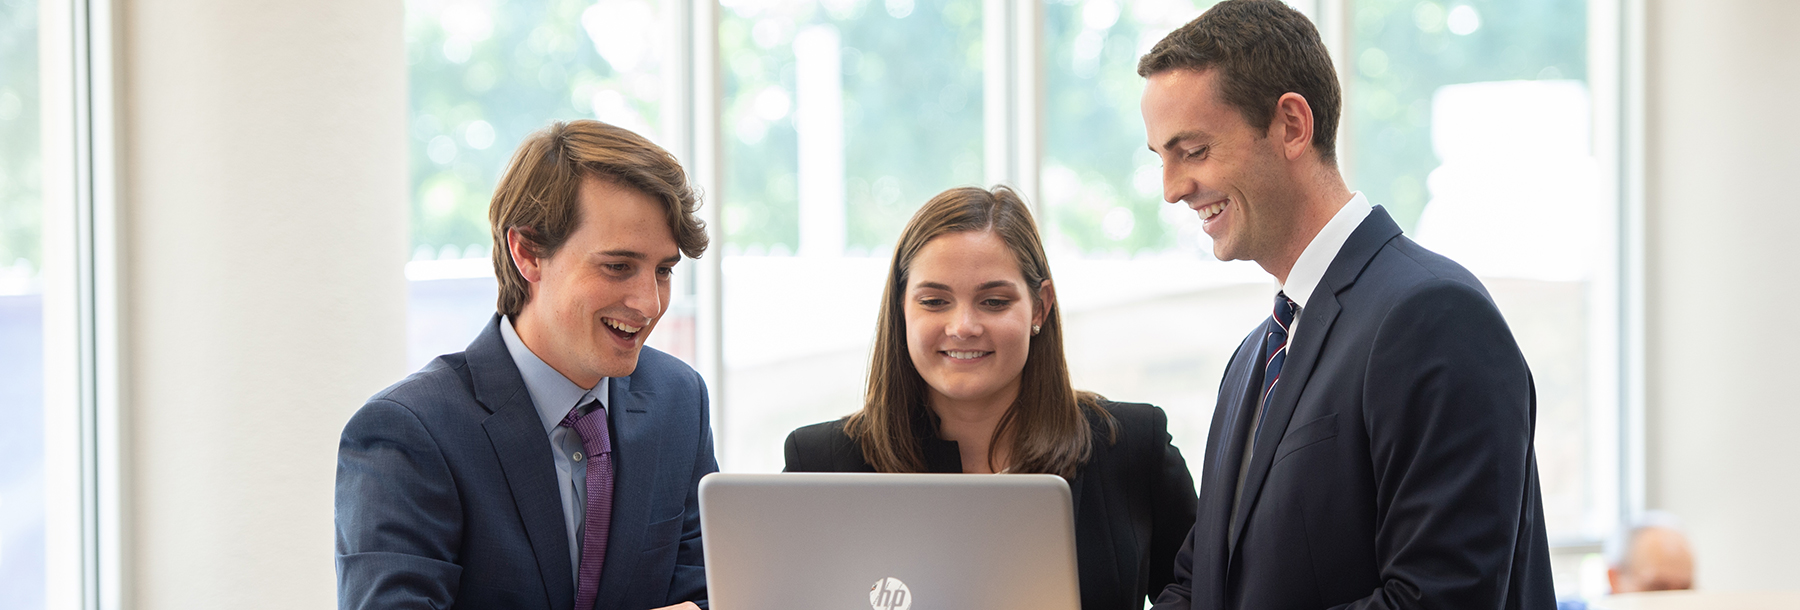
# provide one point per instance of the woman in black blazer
(968, 376)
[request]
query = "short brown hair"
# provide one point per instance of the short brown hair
(1048, 425)
(540, 193)
(1263, 50)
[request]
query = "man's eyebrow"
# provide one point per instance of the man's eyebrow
(638, 256)
(1177, 138)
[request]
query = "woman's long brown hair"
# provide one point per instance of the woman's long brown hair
(1046, 429)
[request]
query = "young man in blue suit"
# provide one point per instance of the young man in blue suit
(1371, 447)
(553, 464)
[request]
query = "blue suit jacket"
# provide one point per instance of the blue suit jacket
(1394, 468)
(447, 494)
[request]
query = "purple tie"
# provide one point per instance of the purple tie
(597, 516)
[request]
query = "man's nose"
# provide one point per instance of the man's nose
(1175, 185)
(644, 297)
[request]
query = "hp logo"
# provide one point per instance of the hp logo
(890, 594)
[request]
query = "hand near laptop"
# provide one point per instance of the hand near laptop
(681, 606)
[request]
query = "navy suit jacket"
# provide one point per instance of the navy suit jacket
(447, 494)
(1398, 470)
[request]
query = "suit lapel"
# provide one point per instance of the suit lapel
(519, 442)
(1218, 480)
(1321, 311)
(634, 483)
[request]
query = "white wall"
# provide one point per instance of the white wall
(264, 239)
(1723, 267)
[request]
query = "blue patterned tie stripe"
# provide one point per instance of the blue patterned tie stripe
(596, 520)
(1275, 345)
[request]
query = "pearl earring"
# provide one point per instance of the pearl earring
(1034, 329)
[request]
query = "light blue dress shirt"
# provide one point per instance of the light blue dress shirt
(554, 395)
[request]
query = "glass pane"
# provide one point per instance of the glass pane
(483, 75)
(840, 118)
(22, 501)
(1118, 251)
(1471, 122)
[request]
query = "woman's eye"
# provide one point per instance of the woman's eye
(997, 303)
(931, 303)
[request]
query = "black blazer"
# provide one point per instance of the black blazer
(1133, 499)
(1399, 471)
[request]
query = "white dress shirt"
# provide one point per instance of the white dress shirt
(1302, 280)
(1310, 268)
(554, 396)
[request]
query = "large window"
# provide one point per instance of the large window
(1475, 123)
(840, 119)
(483, 75)
(22, 502)
(52, 359)
(1487, 128)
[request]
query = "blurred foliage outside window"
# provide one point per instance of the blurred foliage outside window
(1402, 51)
(486, 73)
(1102, 188)
(912, 114)
(21, 163)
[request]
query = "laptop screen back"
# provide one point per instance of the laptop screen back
(810, 541)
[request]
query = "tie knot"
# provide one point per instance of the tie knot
(1284, 311)
(568, 421)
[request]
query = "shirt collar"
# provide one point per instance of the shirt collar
(552, 393)
(1310, 268)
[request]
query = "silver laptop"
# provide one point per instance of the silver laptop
(888, 542)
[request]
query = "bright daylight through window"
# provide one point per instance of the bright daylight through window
(1481, 125)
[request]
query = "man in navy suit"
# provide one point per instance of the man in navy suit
(1372, 443)
(554, 464)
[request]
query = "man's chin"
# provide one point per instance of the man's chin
(621, 365)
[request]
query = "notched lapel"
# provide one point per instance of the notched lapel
(635, 466)
(519, 440)
(1317, 319)
(1303, 357)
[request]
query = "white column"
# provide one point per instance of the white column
(264, 235)
(819, 125)
(1721, 213)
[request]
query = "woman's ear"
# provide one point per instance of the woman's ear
(1046, 301)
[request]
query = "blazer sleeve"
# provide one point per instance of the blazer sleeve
(1449, 407)
(1172, 508)
(399, 523)
(689, 582)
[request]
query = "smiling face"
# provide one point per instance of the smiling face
(595, 300)
(968, 318)
(1214, 161)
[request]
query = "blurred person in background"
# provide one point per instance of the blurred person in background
(968, 376)
(1652, 556)
(554, 463)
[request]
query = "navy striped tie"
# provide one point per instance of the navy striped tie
(1275, 345)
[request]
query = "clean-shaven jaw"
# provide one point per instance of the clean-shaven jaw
(596, 299)
(1261, 192)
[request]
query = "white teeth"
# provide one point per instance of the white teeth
(621, 326)
(1210, 211)
(964, 355)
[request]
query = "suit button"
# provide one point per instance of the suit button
(577, 456)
